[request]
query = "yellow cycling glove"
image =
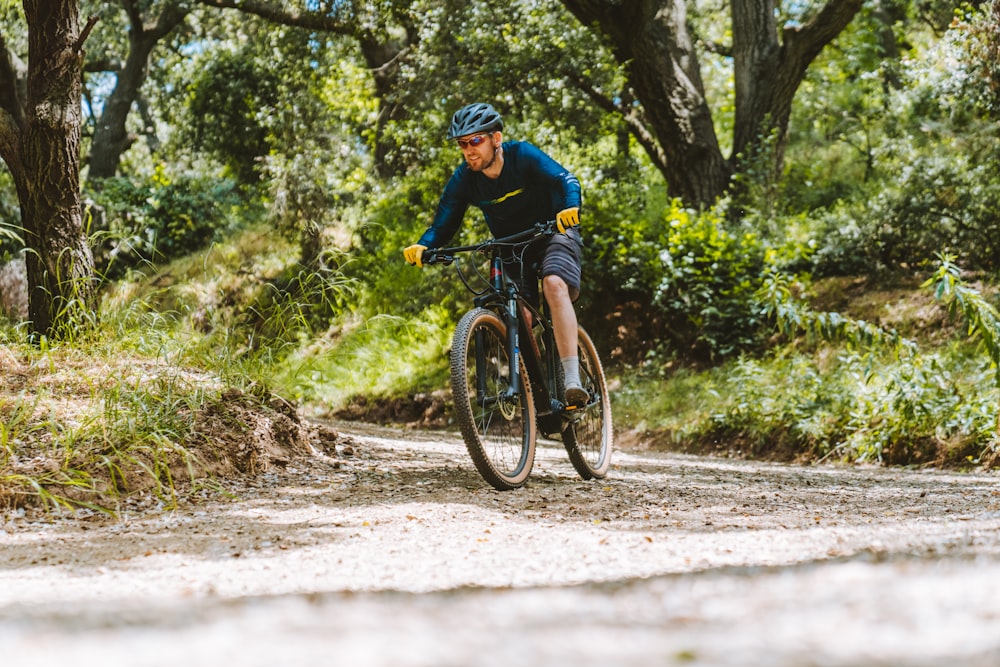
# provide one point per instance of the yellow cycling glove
(415, 254)
(566, 218)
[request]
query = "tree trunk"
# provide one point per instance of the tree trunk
(651, 39)
(755, 64)
(43, 154)
(768, 73)
(111, 137)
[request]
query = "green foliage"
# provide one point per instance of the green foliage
(856, 392)
(982, 317)
(768, 413)
(158, 220)
(923, 408)
(696, 276)
(843, 247)
(827, 404)
(227, 104)
(948, 199)
(319, 173)
(979, 30)
(919, 409)
(793, 318)
(932, 177)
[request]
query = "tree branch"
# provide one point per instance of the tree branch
(13, 85)
(169, 19)
(804, 42)
(103, 65)
(134, 15)
(286, 16)
(91, 22)
(629, 114)
(718, 48)
(10, 142)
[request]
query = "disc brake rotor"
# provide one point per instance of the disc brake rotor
(508, 407)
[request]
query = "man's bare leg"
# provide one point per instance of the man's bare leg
(564, 325)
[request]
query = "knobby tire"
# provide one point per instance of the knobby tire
(499, 433)
(588, 435)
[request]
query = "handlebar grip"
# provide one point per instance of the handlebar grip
(430, 256)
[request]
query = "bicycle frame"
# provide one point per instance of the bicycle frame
(503, 298)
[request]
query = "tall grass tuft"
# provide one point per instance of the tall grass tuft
(85, 425)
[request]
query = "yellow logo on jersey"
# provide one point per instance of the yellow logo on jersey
(507, 196)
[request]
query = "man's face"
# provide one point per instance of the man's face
(478, 149)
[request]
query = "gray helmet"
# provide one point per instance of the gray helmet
(478, 117)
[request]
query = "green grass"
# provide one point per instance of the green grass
(83, 426)
(382, 357)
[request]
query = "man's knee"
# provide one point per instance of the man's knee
(555, 287)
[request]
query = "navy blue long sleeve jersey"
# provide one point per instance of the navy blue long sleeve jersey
(531, 188)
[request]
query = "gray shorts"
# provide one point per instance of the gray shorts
(560, 255)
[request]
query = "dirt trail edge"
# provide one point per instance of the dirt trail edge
(395, 552)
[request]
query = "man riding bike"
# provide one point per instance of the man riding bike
(516, 185)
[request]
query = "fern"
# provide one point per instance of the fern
(794, 317)
(983, 320)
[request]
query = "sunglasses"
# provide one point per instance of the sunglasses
(477, 140)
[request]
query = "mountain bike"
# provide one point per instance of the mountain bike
(506, 376)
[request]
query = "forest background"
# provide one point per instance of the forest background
(791, 213)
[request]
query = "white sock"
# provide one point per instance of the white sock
(571, 371)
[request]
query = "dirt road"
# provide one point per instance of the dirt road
(398, 554)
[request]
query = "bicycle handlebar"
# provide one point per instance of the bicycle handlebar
(447, 255)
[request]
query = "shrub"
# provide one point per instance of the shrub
(157, 220)
(692, 275)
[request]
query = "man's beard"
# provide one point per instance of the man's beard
(496, 152)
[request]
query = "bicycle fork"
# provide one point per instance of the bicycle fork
(508, 315)
(510, 320)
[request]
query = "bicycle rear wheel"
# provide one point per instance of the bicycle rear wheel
(499, 428)
(588, 435)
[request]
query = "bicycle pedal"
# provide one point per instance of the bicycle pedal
(576, 397)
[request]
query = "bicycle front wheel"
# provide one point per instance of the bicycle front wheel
(497, 424)
(588, 436)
